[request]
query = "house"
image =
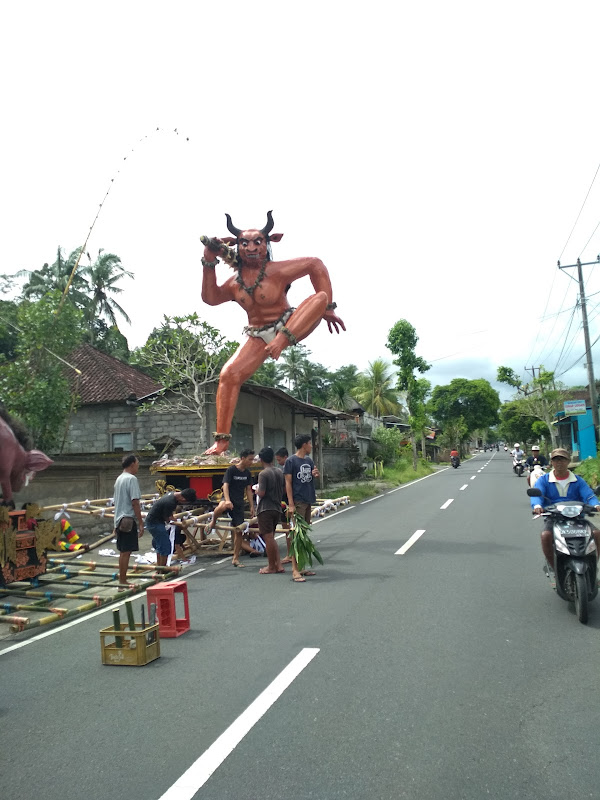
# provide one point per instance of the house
(108, 419)
(576, 432)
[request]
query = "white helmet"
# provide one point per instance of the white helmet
(517, 444)
(535, 447)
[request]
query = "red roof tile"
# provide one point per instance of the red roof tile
(105, 379)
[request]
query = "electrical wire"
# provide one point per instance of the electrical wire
(578, 215)
(578, 360)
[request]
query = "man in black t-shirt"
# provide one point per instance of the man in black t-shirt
(237, 487)
(300, 471)
(162, 512)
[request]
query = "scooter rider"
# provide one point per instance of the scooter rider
(517, 452)
(560, 483)
(536, 458)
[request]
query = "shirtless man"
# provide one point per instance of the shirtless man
(260, 285)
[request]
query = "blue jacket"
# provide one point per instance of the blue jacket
(577, 490)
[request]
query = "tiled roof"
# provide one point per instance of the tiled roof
(105, 379)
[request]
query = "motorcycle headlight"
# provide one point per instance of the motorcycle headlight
(568, 511)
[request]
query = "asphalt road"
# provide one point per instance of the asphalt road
(450, 670)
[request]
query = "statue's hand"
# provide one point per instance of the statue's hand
(212, 247)
(333, 321)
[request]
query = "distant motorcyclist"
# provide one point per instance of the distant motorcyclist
(516, 452)
(558, 484)
(454, 458)
(536, 458)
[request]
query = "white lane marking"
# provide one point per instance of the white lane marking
(462, 488)
(478, 471)
(197, 775)
(446, 504)
(473, 477)
(406, 485)
(370, 500)
(416, 535)
(222, 561)
(84, 618)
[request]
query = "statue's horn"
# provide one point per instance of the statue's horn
(269, 226)
(231, 227)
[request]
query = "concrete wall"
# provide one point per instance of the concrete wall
(91, 427)
(90, 477)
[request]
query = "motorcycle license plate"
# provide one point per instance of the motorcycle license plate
(578, 531)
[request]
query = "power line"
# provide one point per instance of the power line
(578, 215)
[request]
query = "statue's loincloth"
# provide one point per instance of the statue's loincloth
(268, 332)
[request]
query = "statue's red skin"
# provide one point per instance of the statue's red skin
(16, 463)
(264, 306)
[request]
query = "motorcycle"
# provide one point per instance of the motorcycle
(575, 556)
(518, 465)
(455, 461)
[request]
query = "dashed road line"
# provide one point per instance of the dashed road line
(409, 543)
(446, 504)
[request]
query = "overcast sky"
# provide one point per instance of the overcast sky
(434, 155)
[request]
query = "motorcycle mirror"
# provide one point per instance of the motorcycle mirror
(533, 492)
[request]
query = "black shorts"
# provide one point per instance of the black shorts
(237, 515)
(267, 521)
(128, 542)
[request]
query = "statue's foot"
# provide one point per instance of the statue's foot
(218, 447)
(277, 346)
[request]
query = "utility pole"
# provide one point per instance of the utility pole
(586, 336)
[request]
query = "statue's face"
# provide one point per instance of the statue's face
(252, 247)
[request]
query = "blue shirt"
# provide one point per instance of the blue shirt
(577, 490)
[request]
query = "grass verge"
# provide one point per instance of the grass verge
(400, 473)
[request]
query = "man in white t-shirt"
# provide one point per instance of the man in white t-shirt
(127, 510)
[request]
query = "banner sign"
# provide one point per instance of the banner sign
(574, 407)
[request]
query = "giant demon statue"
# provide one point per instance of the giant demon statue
(260, 286)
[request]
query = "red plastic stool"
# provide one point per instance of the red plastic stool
(163, 595)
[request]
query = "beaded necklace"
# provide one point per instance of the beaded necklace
(257, 282)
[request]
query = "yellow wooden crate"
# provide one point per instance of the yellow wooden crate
(135, 649)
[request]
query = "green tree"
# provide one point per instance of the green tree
(55, 277)
(375, 389)
(402, 341)
(9, 334)
(388, 444)
(341, 384)
(35, 385)
(291, 367)
(473, 400)
(539, 399)
(514, 425)
(101, 278)
(267, 375)
(185, 355)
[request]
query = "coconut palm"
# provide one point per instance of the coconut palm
(56, 276)
(291, 366)
(376, 390)
(267, 375)
(101, 277)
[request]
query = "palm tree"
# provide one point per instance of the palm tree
(338, 396)
(56, 276)
(101, 278)
(376, 389)
(291, 366)
(267, 375)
